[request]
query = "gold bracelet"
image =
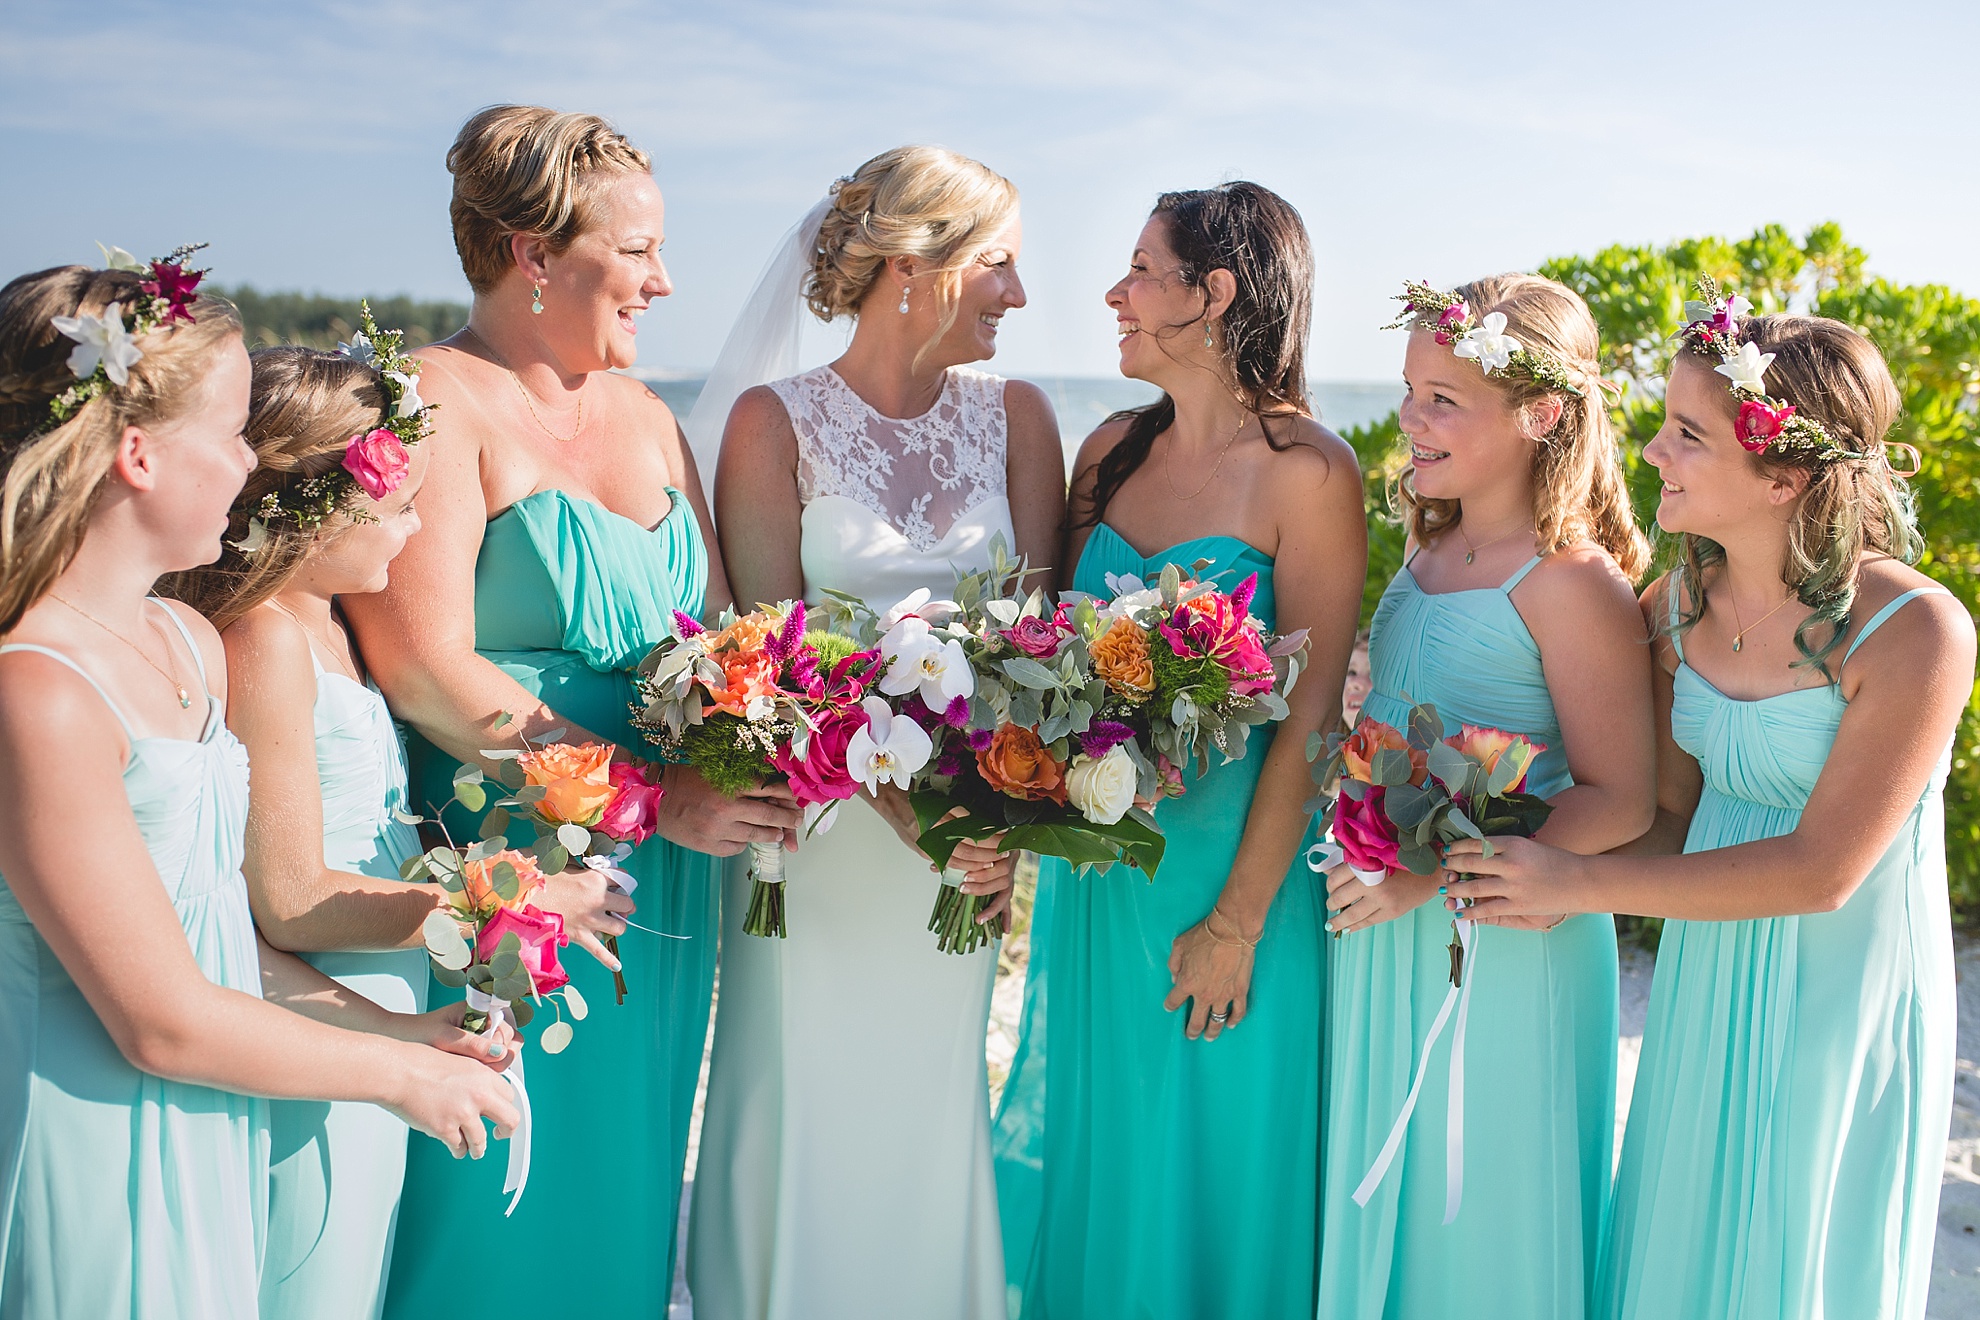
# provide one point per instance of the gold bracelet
(1240, 942)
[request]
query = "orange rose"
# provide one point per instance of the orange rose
(744, 676)
(576, 779)
(745, 635)
(1486, 746)
(1017, 763)
(1120, 655)
(1371, 736)
(478, 894)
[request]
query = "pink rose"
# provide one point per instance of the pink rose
(1035, 637)
(1365, 832)
(634, 813)
(378, 461)
(1759, 426)
(541, 933)
(821, 775)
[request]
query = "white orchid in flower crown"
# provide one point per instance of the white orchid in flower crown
(409, 400)
(889, 750)
(1489, 343)
(920, 661)
(101, 339)
(1747, 369)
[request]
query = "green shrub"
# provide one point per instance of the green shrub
(315, 321)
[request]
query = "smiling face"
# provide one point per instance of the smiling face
(200, 461)
(1157, 315)
(1712, 486)
(1463, 436)
(595, 290)
(989, 287)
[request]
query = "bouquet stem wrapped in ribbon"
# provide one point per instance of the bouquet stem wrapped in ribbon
(1402, 798)
(760, 698)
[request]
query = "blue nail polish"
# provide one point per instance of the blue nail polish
(1442, 890)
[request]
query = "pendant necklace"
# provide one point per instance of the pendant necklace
(1739, 634)
(185, 698)
(1471, 551)
(1169, 476)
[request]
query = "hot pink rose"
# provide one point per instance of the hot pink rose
(541, 933)
(1759, 426)
(1365, 832)
(634, 814)
(378, 461)
(1036, 637)
(821, 775)
(1217, 626)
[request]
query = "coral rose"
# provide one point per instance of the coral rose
(576, 780)
(1486, 746)
(1371, 736)
(477, 893)
(745, 634)
(1017, 763)
(745, 677)
(1120, 656)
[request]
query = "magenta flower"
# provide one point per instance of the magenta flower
(688, 625)
(1759, 426)
(1365, 832)
(176, 285)
(1450, 319)
(1035, 637)
(821, 775)
(1103, 736)
(634, 814)
(541, 933)
(378, 460)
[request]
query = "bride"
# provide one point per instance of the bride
(845, 1163)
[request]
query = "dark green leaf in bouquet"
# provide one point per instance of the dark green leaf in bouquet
(1354, 788)
(413, 868)
(1517, 814)
(444, 859)
(530, 794)
(940, 840)
(1026, 672)
(1460, 822)
(1390, 768)
(514, 986)
(507, 883)
(1426, 727)
(1505, 774)
(480, 977)
(1418, 859)
(511, 774)
(494, 823)
(1409, 806)
(522, 1010)
(1450, 765)
(449, 976)
(555, 859)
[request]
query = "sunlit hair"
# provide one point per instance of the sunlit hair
(522, 169)
(921, 202)
(1578, 489)
(52, 480)
(304, 407)
(1258, 237)
(1851, 505)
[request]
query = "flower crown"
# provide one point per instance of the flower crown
(1712, 328)
(1449, 317)
(375, 460)
(106, 343)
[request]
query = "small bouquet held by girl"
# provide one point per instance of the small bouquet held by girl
(760, 698)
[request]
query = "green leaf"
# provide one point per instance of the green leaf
(471, 795)
(1417, 859)
(511, 775)
(449, 977)
(532, 793)
(1448, 763)
(444, 859)
(406, 817)
(1504, 775)
(413, 868)
(555, 859)
(1390, 767)
(468, 774)
(503, 721)
(494, 824)
(574, 1002)
(1029, 673)
(1425, 726)
(522, 1010)
(1409, 806)
(940, 840)
(574, 838)
(507, 885)
(555, 1038)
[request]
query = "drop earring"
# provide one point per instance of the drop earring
(1206, 336)
(536, 299)
(904, 294)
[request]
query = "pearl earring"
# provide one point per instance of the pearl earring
(536, 299)
(904, 294)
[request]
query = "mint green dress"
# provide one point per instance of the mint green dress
(1788, 1128)
(1140, 1173)
(123, 1194)
(336, 1168)
(569, 596)
(1540, 1056)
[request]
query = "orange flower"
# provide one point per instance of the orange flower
(745, 635)
(1017, 763)
(576, 779)
(744, 676)
(1486, 746)
(478, 896)
(1371, 736)
(1120, 655)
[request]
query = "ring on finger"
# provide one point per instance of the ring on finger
(1220, 1016)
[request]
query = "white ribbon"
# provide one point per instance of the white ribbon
(518, 1175)
(766, 863)
(1454, 1119)
(608, 866)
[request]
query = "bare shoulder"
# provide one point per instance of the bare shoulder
(1584, 575)
(207, 639)
(1933, 625)
(1307, 453)
(266, 644)
(1654, 604)
(1026, 402)
(759, 410)
(48, 710)
(1100, 442)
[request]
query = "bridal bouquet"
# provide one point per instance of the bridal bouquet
(760, 697)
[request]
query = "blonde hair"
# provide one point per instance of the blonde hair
(922, 202)
(522, 169)
(1850, 505)
(54, 478)
(1578, 490)
(304, 407)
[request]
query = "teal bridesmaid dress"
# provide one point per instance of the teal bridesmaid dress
(123, 1194)
(335, 1169)
(1140, 1173)
(1540, 1056)
(568, 596)
(1788, 1128)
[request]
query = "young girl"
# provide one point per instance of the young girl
(1515, 610)
(1158, 1143)
(328, 506)
(1789, 1121)
(133, 1025)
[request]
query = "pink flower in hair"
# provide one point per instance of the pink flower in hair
(1759, 425)
(1452, 319)
(378, 460)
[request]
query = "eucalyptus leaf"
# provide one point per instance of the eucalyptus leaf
(494, 823)
(503, 721)
(574, 838)
(413, 868)
(556, 860)
(450, 978)
(1504, 775)
(442, 934)
(532, 793)
(545, 739)
(1390, 767)
(507, 885)
(574, 1002)
(1029, 673)
(444, 859)
(556, 1038)
(406, 817)
(468, 774)
(1426, 726)
(523, 1011)
(471, 795)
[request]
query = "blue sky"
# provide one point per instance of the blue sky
(305, 140)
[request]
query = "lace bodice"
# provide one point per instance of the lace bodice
(919, 474)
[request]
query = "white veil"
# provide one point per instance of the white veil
(762, 346)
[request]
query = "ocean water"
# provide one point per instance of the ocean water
(1083, 402)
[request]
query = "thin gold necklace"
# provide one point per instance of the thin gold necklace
(1471, 551)
(527, 401)
(185, 698)
(1169, 475)
(1739, 635)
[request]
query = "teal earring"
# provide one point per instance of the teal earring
(536, 299)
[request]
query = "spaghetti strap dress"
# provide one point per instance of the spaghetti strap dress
(1540, 1055)
(1788, 1128)
(336, 1167)
(569, 596)
(123, 1194)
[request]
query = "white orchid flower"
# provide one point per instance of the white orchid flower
(101, 339)
(889, 749)
(1489, 343)
(409, 400)
(115, 258)
(1736, 306)
(360, 349)
(919, 661)
(257, 537)
(918, 602)
(1747, 369)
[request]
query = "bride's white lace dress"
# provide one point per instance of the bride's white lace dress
(845, 1162)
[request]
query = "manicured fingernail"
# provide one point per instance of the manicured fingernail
(1330, 926)
(495, 1049)
(1443, 889)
